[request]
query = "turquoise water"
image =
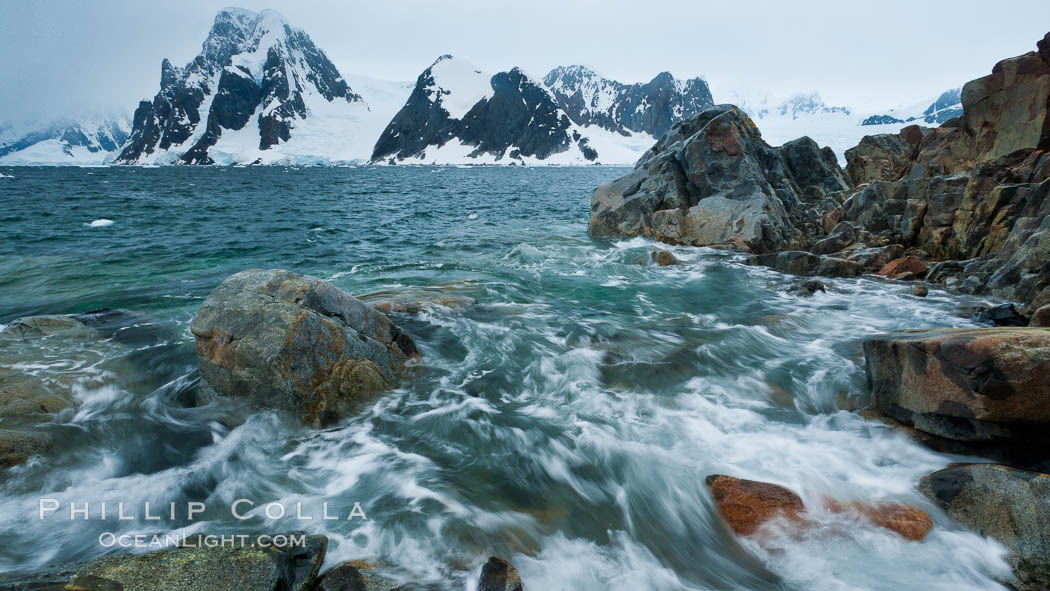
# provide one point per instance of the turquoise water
(566, 422)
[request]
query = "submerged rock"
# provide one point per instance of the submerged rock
(806, 288)
(966, 384)
(663, 258)
(67, 352)
(499, 575)
(1012, 506)
(17, 446)
(746, 505)
(920, 291)
(296, 343)
(416, 301)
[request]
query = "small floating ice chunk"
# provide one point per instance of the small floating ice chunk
(472, 216)
(6, 176)
(101, 223)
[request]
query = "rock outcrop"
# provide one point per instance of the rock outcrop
(747, 505)
(985, 386)
(296, 343)
(197, 567)
(1012, 506)
(87, 342)
(969, 199)
(712, 181)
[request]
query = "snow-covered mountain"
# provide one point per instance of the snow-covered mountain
(946, 106)
(73, 141)
(652, 107)
(458, 113)
(838, 127)
(259, 92)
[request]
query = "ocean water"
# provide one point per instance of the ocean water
(566, 423)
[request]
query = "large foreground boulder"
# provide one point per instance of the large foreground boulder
(1009, 505)
(712, 180)
(984, 388)
(296, 343)
(292, 567)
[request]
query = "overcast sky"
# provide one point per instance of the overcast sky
(68, 55)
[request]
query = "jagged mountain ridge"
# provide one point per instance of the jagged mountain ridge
(458, 113)
(91, 139)
(841, 128)
(946, 106)
(652, 107)
(254, 72)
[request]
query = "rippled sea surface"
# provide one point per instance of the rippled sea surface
(566, 423)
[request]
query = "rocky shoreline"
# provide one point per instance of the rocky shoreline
(964, 206)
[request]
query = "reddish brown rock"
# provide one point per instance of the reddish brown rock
(902, 266)
(909, 522)
(966, 384)
(747, 504)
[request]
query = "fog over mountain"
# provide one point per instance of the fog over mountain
(70, 55)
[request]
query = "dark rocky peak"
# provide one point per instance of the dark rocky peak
(95, 134)
(947, 105)
(444, 92)
(650, 107)
(521, 116)
(249, 63)
(508, 115)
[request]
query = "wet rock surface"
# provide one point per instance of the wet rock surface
(417, 300)
(44, 360)
(296, 343)
(1010, 505)
(499, 575)
(984, 388)
(747, 505)
(972, 192)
